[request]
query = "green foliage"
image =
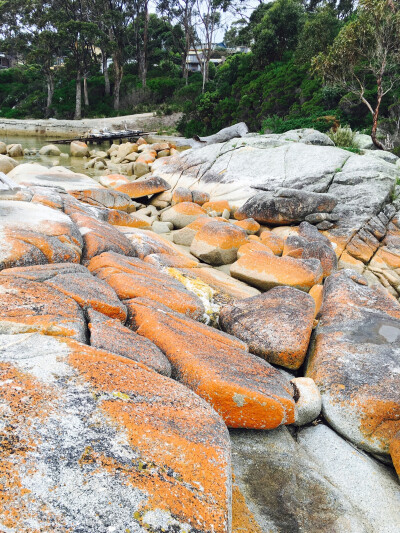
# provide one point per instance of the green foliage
(276, 124)
(344, 137)
(278, 31)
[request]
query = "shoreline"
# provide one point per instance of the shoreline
(60, 128)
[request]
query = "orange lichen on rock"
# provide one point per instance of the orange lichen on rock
(218, 207)
(254, 246)
(243, 520)
(182, 214)
(33, 233)
(102, 432)
(394, 450)
(273, 241)
(217, 243)
(276, 325)
(103, 198)
(138, 189)
(355, 359)
(28, 306)
(99, 237)
(119, 218)
(245, 390)
(110, 335)
(133, 278)
(248, 224)
(265, 271)
(317, 292)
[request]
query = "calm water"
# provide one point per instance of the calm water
(74, 163)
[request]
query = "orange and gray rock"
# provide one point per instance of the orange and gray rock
(104, 198)
(182, 214)
(133, 278)
(354, 361)
(264, 271)
(245, 390)
(35, 234)
(217, 243)
(276, 325)
(138, 189)
(93, 441)
(29, 306)
(110, 335)
(99, 237)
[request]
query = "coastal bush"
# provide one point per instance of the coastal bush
(344, 137)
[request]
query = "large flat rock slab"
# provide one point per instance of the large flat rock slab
(355, 360)
(34, 174)
(246, 391)
(94, 442)
(32, 233)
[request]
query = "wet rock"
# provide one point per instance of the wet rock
(265, 271)
(15, 150)
(101, 442)
(138, 189)
(217, 243)
(79, 149)
(110, 335)
(285, 206)
(50, 150)
(276, 325)
(28, 306)
(133, 278)
(35, 234)
(7, 164)
(182, 214)
(354, 361)
(245, 390)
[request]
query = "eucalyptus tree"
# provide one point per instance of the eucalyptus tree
(366, 48)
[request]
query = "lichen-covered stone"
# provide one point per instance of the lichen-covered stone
(355, 359)
(245, 390)
(276, 325)
(92, 441)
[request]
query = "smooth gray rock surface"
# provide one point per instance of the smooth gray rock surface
(318, 484)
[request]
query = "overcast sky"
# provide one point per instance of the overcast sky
(227, 18)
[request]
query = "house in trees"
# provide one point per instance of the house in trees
(7, 60)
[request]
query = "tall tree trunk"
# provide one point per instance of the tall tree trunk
(375, 116)
(118, 73)
(78, 100)
(185, 70)
(106, 76)
(50, 93)
(143, 51)
(205, 70)
(85, 91)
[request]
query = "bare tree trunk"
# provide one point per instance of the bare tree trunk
(106, 76)
(375, 116)
(78, 101)
(185, 69)
(118, 73)
(85, 91)
(50, 93)
(143, 51)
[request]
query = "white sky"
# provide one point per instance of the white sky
(227, 18)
